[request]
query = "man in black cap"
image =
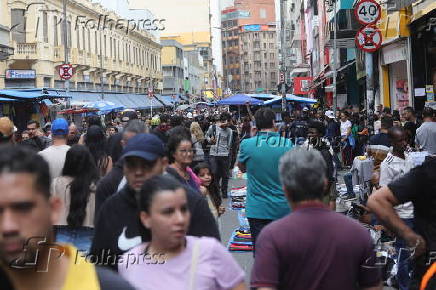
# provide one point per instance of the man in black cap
(117, 227)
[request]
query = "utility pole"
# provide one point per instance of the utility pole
(282, 48)
(65, 25)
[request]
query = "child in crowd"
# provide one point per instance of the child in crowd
(209, 189)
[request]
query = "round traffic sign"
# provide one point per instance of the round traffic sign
(66, 71)
(367, 12)
(369, 38)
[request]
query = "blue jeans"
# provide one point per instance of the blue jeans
(348, 179)
(403, 260)
(81, 237)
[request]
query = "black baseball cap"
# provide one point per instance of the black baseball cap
(146, 146)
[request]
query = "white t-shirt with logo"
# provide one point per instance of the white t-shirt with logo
(392, 168)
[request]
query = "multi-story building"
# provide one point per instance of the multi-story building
(250, 54)
(194, 72)
(98, 45)
(172, 67)
(5, 24)
(199, 42)
(259, 58)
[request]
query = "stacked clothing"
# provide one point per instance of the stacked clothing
(237, 198)
(240, 241)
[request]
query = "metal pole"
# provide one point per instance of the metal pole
(335, 58)
(101, 67)
(282, 48)
(67, 82)
(369, 85)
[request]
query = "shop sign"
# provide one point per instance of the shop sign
(302, 85)
(13, 74)
(394, 53)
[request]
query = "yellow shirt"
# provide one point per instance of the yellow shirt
(81, 274)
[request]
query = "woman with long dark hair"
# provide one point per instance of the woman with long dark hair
(96, 142)
(76, 188)
(176, 260)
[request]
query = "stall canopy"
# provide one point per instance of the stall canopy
(166, 100)
(32, 94)
(290, 97)
(104, 107)
(129, 101)
(239, 100)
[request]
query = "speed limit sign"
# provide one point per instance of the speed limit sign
(368, 12)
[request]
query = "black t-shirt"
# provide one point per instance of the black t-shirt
(108, 185)
(419, 187)
(380, 139)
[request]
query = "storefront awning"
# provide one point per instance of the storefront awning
(129, 101)
(165, 100)
(31, 95)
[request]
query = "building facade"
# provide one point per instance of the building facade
(249, 41)
(172, 67)
(104, 50)
(5, 25)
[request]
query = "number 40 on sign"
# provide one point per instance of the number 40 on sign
(367, 12)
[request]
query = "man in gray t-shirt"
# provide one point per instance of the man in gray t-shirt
(220, 137)
(426, 134)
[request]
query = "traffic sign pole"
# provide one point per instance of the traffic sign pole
(369, 39)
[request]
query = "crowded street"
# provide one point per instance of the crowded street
(218, 145)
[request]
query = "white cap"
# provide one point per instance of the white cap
(330, 114)
(189, 115)
(305, 109)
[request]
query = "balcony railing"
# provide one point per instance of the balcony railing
(26, 51)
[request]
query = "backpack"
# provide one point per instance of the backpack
(299, 129)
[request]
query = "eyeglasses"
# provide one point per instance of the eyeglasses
(185, 151)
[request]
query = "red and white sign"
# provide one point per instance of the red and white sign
(302, 85)
(368, 12)
(369, 38)
(66, 71)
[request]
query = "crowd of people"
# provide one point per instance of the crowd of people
(143, 198)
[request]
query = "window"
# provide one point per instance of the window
(69, 42)
(271, 55)
(55, 31)
(45, 26)
(78, 38)
(18, 21)
(262, 13)
(271, 45)
(271, 65)
(266, 65)
(110, 47)
(95, 42)
(83, 38)
(265, 55)
(104, 45)
(264, 45)
(273, 75)
(89, 41)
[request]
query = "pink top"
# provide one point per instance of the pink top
(194, 176)
(216, 268)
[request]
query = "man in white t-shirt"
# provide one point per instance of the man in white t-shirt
(55, 154)
(393, 167)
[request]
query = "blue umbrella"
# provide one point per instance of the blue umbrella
(104, 107)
